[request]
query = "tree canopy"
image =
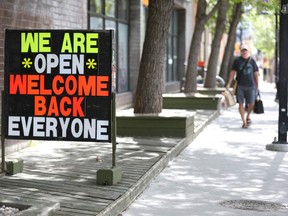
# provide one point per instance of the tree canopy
(262, 22)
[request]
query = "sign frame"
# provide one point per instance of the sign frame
(58, 85)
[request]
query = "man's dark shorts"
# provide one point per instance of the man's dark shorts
(247, 93)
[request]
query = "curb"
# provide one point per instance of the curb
(200, 128)
(128, 198)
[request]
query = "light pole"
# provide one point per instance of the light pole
(281, 143)
(276, 68)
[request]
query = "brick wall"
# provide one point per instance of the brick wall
(39, 14)
(50, 14)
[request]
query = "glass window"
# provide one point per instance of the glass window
(123, 9)
(110, 24)
(175, 24)
(170, 31)
(175, 57)
(110, 8)
(172, 50)
(96, 23)
(122, 70)
(96, 6)
(103, 16)
(169, 69)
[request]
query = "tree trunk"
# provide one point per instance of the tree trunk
(191, 71)
(201, 20)
(148, 98)
(210, 81)
(229, 49)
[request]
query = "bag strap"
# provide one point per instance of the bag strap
(241, 71)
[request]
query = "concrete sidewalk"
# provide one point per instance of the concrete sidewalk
(226, 171)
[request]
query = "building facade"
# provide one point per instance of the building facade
(128, 20)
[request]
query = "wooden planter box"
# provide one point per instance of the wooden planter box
(191, 101)
(210, 91)
(169, 123)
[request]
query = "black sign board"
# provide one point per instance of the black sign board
(58, 85)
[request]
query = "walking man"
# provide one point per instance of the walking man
(247, 72)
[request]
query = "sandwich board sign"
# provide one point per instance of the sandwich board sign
(57, 85)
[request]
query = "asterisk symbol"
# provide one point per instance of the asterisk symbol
(91, 63)
(26, 62)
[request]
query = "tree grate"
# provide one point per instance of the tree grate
(252, 205)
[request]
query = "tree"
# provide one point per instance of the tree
(201, 20)
(253, 12)
(148, 98)
(264, 34)
(229, 49)
(210, 81)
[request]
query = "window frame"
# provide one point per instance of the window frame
(116, 20)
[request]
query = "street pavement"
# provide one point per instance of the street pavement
(225, 171)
